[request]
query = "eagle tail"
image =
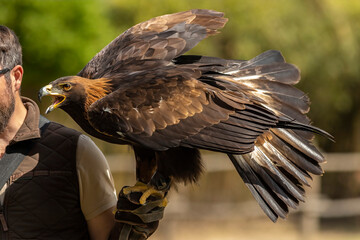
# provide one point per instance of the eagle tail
(277, 170)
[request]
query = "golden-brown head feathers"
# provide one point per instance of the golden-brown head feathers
(95, 89)
(76, 90)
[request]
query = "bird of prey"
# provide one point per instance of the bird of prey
(142, 91)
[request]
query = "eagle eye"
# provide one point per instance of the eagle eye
(66, 86)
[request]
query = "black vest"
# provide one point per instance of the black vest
(45, 202)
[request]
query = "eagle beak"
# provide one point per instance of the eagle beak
(44, 91)
(57, 97)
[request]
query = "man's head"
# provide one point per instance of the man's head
(10, 81)
(10, 48)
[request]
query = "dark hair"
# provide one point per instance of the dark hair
(10, 48)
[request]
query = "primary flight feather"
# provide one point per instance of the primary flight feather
(142, 91)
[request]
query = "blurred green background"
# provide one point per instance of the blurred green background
(321, 37)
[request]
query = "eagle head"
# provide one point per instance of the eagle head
(74, 90)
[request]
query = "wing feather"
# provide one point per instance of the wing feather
(164, 37)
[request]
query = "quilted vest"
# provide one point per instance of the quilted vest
(44, 203)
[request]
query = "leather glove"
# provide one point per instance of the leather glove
(135, 221)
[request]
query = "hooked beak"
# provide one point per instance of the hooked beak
(57, 97)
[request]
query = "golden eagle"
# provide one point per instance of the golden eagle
(142, 91)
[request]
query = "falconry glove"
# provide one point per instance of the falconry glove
(135, 221)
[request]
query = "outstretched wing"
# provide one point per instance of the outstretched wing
(164, 37)
(182, 105)
(153, 102)
(205, 105)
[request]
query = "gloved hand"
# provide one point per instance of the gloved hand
(135, 221)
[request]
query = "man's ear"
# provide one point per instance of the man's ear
(16, 77)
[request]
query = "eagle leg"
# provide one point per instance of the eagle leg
(150, 183)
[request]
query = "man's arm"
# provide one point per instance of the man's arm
(98, 199)
(101, 225)
(97, 192)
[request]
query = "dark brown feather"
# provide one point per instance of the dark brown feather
(182, 31)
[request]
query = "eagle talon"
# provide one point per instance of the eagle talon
(150, 192)
(147, 191)
(138, 187)
(163, 203)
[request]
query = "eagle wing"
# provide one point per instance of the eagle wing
(163, 107)
(164, 37)
(175, 105)
(153, 103)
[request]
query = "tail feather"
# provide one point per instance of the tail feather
(297, 157)
(267, 202)
(299, 144)
(278, 176)
(289, 166)
(277, 169)
(273, 185)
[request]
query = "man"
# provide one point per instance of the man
(63, 188)
(64, 182)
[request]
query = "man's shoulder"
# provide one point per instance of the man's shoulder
(55, 128)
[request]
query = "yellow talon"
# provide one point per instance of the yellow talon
(138, 187)
(164, 203)
(150, 191)
(146, 191)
